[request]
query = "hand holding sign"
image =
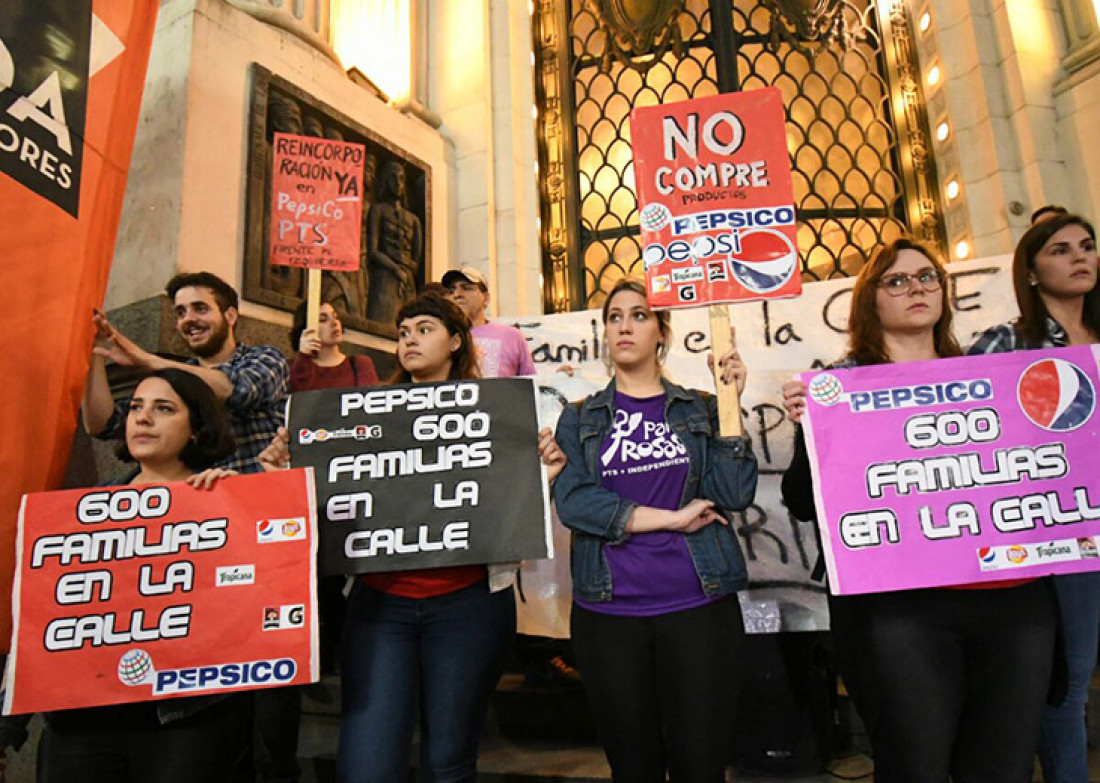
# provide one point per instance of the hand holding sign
(794, 399)
(723, 339)
(277, 454)
(552, 455)
(733, 370)
(310, 343)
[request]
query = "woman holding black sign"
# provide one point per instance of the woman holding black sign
(1054, 273)
(425, 643)
(950, 682)
(175, 430)
(656, 623)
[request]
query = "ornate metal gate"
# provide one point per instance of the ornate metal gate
(856, 126)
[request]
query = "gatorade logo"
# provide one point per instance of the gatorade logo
(1056, 395)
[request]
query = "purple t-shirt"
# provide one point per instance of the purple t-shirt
(643, 460)
(502, 351)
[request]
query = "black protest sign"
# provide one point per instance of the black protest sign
(45, 57)
(424, 475)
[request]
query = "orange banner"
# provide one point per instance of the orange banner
(158, 590)
(71, 79)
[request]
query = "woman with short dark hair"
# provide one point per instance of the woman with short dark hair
(427, 645)
(175, 430)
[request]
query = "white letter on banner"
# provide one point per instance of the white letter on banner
(464, 491)
(685, 141)
(861, 529)
(960, 516)
(80, 588)
(343, 508)
(710, 135)
(49, 92)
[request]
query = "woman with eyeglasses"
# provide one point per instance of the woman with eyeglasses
(951, 681)
(1054, 274)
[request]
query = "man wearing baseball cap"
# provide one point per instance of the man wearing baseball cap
(502, 351)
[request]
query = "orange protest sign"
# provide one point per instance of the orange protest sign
(316, 203)
(152, 591)
(717, 205)
(68, 112)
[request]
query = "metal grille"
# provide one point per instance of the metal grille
(856, 129)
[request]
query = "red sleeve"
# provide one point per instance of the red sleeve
(302, 371)
(368, 376)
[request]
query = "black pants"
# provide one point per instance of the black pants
(950, 682)
(664, 689)
(126, 744)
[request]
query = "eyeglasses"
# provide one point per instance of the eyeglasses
(901, 283)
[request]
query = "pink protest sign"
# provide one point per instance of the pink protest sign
(956, 471)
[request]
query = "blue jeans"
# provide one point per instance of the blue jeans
(433, 658)
(1063, 748)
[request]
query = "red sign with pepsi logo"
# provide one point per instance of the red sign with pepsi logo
(716, 202)
(152, 591)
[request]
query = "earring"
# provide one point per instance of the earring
(1031, 281)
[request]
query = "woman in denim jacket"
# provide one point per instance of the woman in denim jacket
(656, 623)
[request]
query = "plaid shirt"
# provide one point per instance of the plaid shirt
(1004, 339)
(260, 376)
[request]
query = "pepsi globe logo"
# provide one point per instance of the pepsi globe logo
(1056, 395)
(766, 262)
(654, 217)
(825, 389)
(987, 555)
(135, 667)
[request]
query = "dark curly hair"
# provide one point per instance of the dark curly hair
(211, 438)
(464, 360)
(224, 294)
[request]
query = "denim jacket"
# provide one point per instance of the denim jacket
(722, 470)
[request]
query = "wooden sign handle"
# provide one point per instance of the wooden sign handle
(729, 399)
(313, 299)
